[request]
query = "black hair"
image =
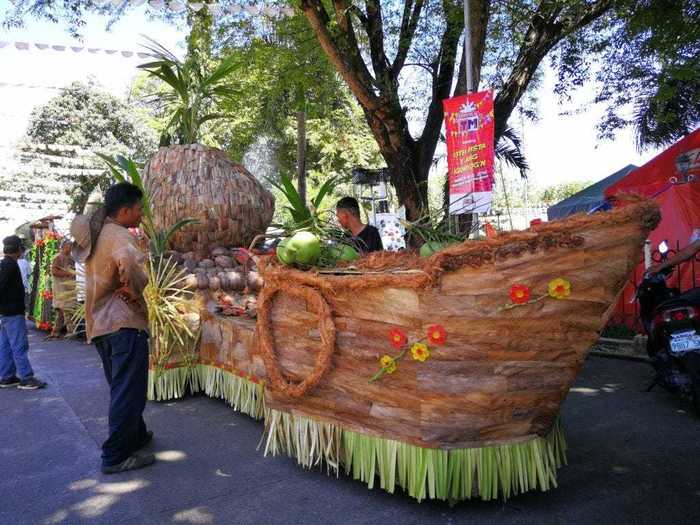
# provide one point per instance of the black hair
(349, 204)
(122, 195)
(11, 245)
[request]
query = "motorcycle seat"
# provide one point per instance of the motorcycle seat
(688, 298)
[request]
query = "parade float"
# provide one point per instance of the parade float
(441, 374)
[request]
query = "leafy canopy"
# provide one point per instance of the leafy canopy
(85, 115)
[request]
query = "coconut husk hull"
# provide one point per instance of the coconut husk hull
(502, 373)
(194, 181)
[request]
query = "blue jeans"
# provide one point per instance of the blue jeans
(124, 357)
(14, 347)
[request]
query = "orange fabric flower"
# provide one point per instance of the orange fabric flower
(559, 288)
(397, 337)
(520, 294)
(420, 351)
(437, 334)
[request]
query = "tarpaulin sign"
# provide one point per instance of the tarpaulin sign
(470, 132)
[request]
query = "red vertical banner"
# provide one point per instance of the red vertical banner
(470, 150)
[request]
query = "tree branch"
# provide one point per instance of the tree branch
(544, 33)
(442, 81)
(375, 32)
(354, 72)
(409, 23)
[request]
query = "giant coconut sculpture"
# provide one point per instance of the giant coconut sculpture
(202, 183)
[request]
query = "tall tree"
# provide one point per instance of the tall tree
(357, 37)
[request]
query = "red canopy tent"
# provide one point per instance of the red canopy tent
(672, 179)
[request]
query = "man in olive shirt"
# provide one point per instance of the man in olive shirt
(116, 319)
(364, 237)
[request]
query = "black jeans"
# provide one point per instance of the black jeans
(125, 361)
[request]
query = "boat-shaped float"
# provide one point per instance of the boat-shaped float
(442, 375)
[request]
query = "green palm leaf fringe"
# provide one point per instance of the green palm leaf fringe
(485, 472)
(240, 393)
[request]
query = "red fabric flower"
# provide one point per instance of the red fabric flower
(437, 334)
(519, 294)
(397, 337)
(242, 374)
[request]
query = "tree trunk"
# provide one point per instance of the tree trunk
(409, 180)
(301, 155)
(408, 172)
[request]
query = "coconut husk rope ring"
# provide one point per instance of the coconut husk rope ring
(318, 304)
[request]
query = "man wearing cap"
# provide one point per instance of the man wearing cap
(14, 345)
(116, 319)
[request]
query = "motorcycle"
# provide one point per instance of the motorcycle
(672, 322)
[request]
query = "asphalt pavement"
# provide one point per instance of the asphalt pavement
(634, 457)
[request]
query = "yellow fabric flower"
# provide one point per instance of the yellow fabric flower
(559, 288)
(420, 351)
(388, 364)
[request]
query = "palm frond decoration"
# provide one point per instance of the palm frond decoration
(73, 291)
(195, 91)
(172, 314)
(305, 216)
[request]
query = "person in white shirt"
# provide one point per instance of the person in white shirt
(25, 269)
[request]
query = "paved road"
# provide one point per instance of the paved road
(634, 458)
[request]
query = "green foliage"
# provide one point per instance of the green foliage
(125, 170)
(283, 70)
(650, 51)
(85, 115)
(558, 192)
(196, 94)
(279, 70)
(302, 215)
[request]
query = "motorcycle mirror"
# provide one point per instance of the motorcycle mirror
(663, 247)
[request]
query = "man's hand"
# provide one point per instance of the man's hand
(124, 293)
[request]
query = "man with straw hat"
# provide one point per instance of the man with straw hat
(116, 320)
(14, 345)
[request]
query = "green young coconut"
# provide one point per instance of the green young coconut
(430, 248)
(344, 252)
(304, 248)
(283, 252)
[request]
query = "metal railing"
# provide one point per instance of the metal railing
(684, 277)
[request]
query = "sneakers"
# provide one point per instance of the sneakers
(9, 382)
(31, 384)
(133, 462)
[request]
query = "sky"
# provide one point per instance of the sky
(558, 148)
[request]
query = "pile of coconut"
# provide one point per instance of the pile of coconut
(222, 269)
